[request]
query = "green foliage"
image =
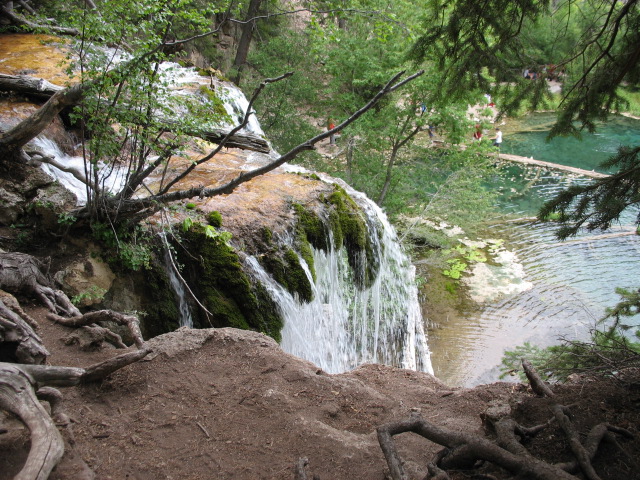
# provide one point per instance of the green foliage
(456, 268)
(92, 293)
(187, 223)
(127, 247)
(66, 219)
(608, 351)
(598, 204)
(463, 256)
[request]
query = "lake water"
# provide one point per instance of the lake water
(569, 284)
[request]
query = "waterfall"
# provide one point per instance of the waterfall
(344, 326)
(111, 177)
(177, 284)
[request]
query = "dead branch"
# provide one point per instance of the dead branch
(19, 20)
(537, 384)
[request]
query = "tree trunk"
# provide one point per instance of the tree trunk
(387, 179)
(38, 87)
(30, 127)
(245, 40)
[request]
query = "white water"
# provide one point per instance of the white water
(179, 78)
(111, 178)
(343, 326)
(177, 284)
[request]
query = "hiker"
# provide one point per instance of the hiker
(497, 140)
(332, 137)
(477, 135)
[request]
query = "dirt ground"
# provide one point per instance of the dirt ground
(229, 404)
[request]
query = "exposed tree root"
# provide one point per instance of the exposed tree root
(20, 272)
(463, 450)
(18, 340)
(129, 321)
(20, 387)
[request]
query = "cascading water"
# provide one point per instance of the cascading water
(344, 326)
(112, 178)
(177, 284)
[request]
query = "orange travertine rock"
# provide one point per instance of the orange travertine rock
(36, 55)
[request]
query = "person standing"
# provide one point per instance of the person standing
(332, 137)
(477, 135)
(497, 140)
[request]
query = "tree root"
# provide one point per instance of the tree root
(22, 272)
(130, 321)
(463, 450)
(20, 387)
(18, 338)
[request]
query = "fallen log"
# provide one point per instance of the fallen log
(41, 88)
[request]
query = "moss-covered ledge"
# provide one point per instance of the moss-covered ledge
(349, 227)
(214, 271)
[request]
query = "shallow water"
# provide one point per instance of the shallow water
(529, 139)
(571, 282)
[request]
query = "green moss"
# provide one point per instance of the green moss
(307, 254)
(267, 236)
(162, 311)
(215, 102)
(310, 230)
(215, 219)
(225, 289)
(350, 229)
(312, 226)
(288, 272)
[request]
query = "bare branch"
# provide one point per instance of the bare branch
(19, 20)
(154, 202)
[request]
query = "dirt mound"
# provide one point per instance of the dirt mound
(227, 403)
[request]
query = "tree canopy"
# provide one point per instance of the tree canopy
(594, 46)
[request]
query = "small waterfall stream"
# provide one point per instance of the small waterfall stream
(177, 284)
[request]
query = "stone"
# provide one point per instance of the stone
(86, 281)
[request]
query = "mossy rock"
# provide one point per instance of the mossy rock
(215, 219)
(350, 229)
(215, 272)
(215, 102)
(162, 313)
(288, 272)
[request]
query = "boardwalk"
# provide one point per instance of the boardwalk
(555, 166)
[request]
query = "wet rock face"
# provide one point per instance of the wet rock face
(19, 185)
(87, 279)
